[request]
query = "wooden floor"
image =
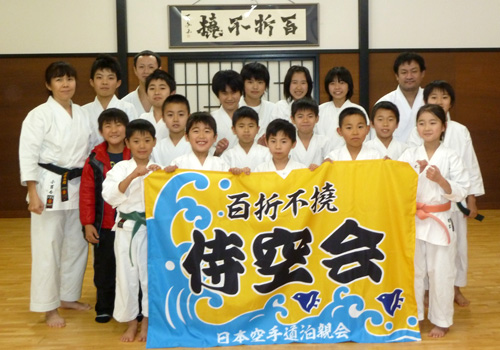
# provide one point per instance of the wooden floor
(476, 326)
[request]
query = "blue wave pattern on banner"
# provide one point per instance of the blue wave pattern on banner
(175, 323)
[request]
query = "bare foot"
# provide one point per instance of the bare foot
(438, 332)
(143, 334)
(53, 319)
(75, 305)
(426, 298)
(129, 334)
(460, 299)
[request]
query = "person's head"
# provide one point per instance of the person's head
(175, 113)
(201, 132)
(227, 85)
(159, 85)
(112, 123)
(255, 79)
(305, 114)
(105, 75)
(298, 83)
(440, 92)
(145, 62)
(281, 137)
(385, 119)
(431, 122)
(245, 124)
(60, 81)
(338, 84)
(140, 137)
(353, 126)
(409, 68)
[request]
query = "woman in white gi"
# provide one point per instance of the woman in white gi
(442, 179)
(53, 146)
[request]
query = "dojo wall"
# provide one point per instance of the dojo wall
(459, 43)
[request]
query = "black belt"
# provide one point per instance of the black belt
(66, 175)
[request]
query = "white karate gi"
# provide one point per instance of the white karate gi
(131, 254)
(160, 126)
(407, 114)
(269, 166)
(165, 151)
(342, 153)
(133, 98)
(265, 112)
(190, 161)
(94, 110)
(319, 147)
(224, 128)
(282, 109)
(434, 256)
(329, 121)
(236, 157)
(457, 137)
(59, 251)
(394, 151)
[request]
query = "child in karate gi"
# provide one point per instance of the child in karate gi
(311, 148)
(159, 85)
(385, 119)
(442, 179)
(54, 143)
(175, 114)
(123, 189)
(456, 137)
(340, 87)
(353, 127)
(246, 153)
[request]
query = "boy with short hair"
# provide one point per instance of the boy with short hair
(159, 85)
(176, 111)
(145, 62)
(227, 85)
(123, 189)
(281, 138)
(311, 149)
(105, 79)
(201, 133)
(353, 127)
(246, 153)
(255, 83)
(385, 119)
(97, 216)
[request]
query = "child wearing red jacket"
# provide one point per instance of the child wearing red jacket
(97, 216)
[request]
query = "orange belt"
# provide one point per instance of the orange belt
(424, 211)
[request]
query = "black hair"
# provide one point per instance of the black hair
(59, 69)
(201, 117)
(407, 57)
(142, 126)
(342, 74)
(245, 112)
(305, 104)
(147, 53)
(176, 98)
(224, 78)
(439, 85)
(255, 70)
(288, 81)
(105, 61)
(283, 125)
(436, 110)
(350, 111)
(159, 74)
(112, 115)
(385, 105)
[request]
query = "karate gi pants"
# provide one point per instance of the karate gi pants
(438, 263)
(105, 272)
(462, 261)
(59, 258)
(131, 274)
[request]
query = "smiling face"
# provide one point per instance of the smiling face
(338, 89)
(229, 100)
(105, 83)
(305, 120)
(440, 98)
(113, 132)
(430, 127)
(409, 76)
(201, 137)
(62, 88)
(141, 145)
(298, 85)
(175, 116)
(354, 130)
(385, 122)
